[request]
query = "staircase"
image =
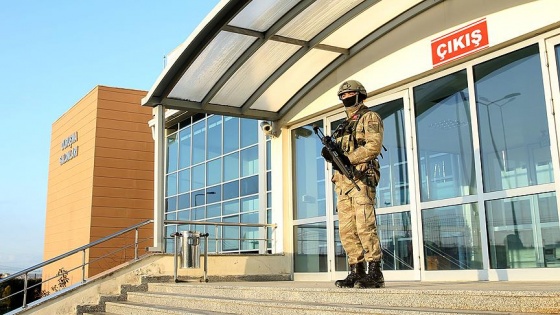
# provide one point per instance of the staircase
(293, 297)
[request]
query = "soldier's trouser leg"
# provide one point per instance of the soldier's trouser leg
(366, 224)
(358, 228)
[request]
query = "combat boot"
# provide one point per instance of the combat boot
(374, 277)
(357, 271)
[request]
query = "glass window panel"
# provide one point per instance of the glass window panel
(198, 176)
(231, 207)
(395, 234)
(184, 201)
(308, 173)
(250, 235)
(514, 133)
(250, 204)
(184, 180)
(199, 213)
(214, 210)
(170, 204)
(268, 181)
(452, 238)
(444, 138)
(184, 215)
(250, 161)
(214, 172)
(172, 153)
(249, 185)
(213, 194)
(269, 200)
(171, 185)
(199, 142)
(268, 162)
(231, 134)
(231, 190)
(198, 198)
(230, 234)
(310, 246)
(171, 216)
(393, 189)
(249, 132)
(523, 232)
(185, 138)
(340, 260)
(214, 136)
(231, 166)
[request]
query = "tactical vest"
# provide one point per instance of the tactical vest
(345, 136)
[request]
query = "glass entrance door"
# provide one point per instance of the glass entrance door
(395, 219)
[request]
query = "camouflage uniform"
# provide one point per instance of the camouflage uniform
(356, 213)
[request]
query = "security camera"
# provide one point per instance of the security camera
(267, 129)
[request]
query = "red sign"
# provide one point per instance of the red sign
(459, 43)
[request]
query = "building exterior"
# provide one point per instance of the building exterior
(468, 91)
(100, 181)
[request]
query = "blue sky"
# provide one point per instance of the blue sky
(52, 53)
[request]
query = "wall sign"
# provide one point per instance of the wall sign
(68, 143)
(459, 43)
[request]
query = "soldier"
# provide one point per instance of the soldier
(360, 137)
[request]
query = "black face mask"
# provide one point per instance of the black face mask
(350, 101)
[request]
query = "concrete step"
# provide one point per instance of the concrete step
(380, 300)
(135, 308)
(220, 305)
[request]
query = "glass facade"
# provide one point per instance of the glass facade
(463, 167)
(213, 175)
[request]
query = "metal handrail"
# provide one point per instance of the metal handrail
(72, 252)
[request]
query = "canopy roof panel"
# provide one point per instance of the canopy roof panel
(258, 58)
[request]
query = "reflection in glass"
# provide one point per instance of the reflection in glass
(171, 185)
(395, 234)
(249, 185)
(214, 172)
(309, 174)
(214, 136)
(231, 190)
(184, 201)
(172, 153)
(452, 238)
(231, 166)
(249, 161)
(444, 138)
(199, 142)
(184, 180)
(230, 234)
(185, 147)
(198, 176)
(248, 134)
(231, 134)
(524, 232)
(310, 246)
(392, 189)
(514, 134)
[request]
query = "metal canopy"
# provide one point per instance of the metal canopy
(258, 58)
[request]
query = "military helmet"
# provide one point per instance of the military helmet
(352, 86)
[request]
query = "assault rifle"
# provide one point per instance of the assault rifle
(335, 154)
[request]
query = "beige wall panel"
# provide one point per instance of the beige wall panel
(141, 184)
(111, 172)
(127, 212)
(134, 136)
(121, 203)
(126, 144)
(129, 154)
(113, 169)
(124, 164)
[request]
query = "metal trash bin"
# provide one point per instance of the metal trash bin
(190, 249)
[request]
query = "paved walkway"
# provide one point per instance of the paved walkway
(541, 286)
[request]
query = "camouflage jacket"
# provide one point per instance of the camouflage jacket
(361, 139)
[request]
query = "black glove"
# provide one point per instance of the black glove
(326, 155)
